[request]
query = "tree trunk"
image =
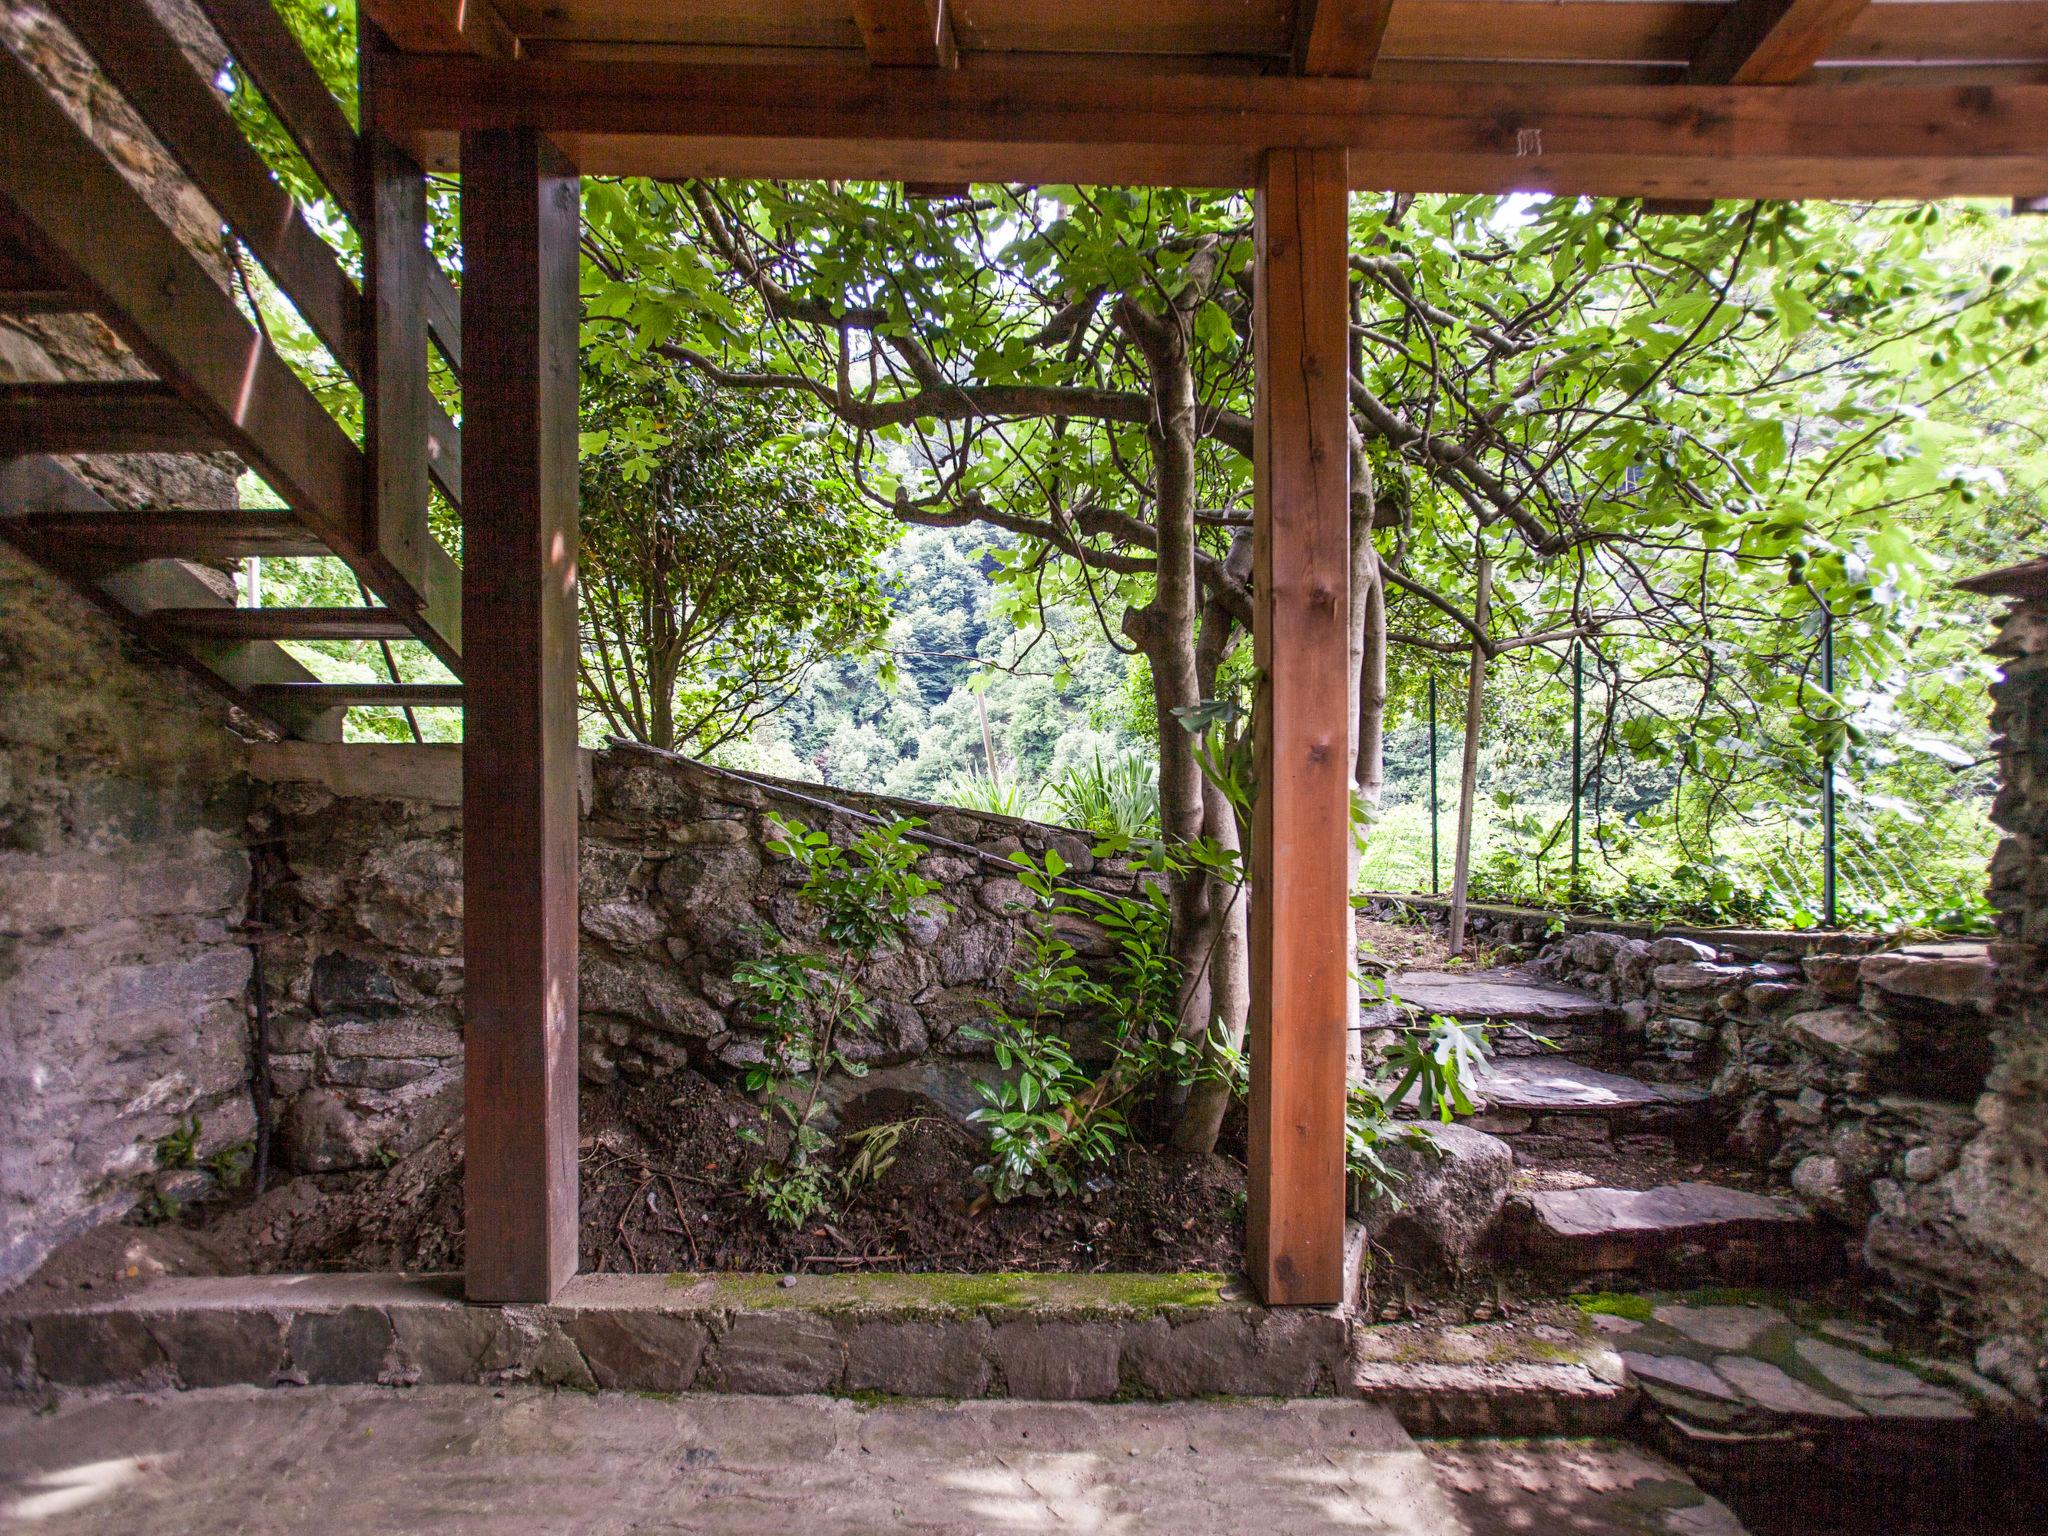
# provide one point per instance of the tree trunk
(1468, 772)
(1227, 937)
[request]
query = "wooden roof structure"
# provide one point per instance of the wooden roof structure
(1303, 101)
(1681, 99)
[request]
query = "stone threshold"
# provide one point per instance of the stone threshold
(1049, 1337)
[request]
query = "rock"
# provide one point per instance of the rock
(1838, 976)
(1766, 1386)
(777, 1353)
(345, 986)
(625, 924)
(1697, 976)
(1721, 1327)
(636, 1350)
(1677, 951)
(1730, 1230)
(648, 993)
(322, 1134)
(1452, 1183)
(1861, 1376)
(919, 1359)
(1503, 996)
(1820, 1179)
(1924, 978)
(350, 1347)
(1057, 1361)
(1688, 1375)
(1842, 1034)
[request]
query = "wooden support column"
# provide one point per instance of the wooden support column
(520, 222)
(1302, 1002)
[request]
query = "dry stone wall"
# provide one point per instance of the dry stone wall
(123, 979)
(361, 860)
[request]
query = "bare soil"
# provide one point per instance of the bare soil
(664, 1174)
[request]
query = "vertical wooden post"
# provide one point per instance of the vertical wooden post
(1301, 916)
(520, 223)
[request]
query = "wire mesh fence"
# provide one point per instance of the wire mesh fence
(1888, 830)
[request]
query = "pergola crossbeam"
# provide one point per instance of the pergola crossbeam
(1771, 42)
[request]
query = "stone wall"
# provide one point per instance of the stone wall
(122, 876)
(361, 853)
(122, 871)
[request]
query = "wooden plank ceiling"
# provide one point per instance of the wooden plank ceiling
(1665, 98)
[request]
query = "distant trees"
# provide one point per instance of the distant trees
(721, 561)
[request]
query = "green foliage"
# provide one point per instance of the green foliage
(721, 561)
(1117, 799)
(179, 1146)
(811, 1004)
(1051, 1116)
(976, 791)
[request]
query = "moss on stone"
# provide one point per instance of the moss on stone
(1636, 1309)
(1066, 1295)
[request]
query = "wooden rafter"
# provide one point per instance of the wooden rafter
(183, 533)
(908, 32)
(283, 623)
(116, 416)
(361, 695)
(996, 122)
(445, 26)
(1339, 37)
(1771, 42)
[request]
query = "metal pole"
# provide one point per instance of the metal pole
(1830, 912)
(1436, 883)
(1578, 753)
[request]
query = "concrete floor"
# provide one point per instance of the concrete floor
(520, 1462)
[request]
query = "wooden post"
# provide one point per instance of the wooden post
(1301, 916)
(520, 222)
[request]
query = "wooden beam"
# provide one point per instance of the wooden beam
(267, 52)
(283, 623)
(101, 238)
(148, 67)
(520, 228)
(993, 121)
(1301, 929)
(445, 26)
(1339, 37)
(115, 416)
(396, 399)
(1677, 207)
(363, 695)
(122, 538)
(908, 32)
(1771, 42)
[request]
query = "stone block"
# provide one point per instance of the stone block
(98, 1349)
(777, 1352)
(223, 1347)
(946, 1358)
(1844, 1035)
(349, 1347)
(637, 1350)
(1058, 1361)
(454, 1345)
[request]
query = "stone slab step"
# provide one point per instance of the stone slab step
(1581, 1487)
(1501, 995)
(1687, 1227)
(1047, 1336)
(1519, 1092)
(1502, 1378)
(523, 1461)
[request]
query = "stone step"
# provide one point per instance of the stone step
(1580, 1487)
(1825, 1419)
(1500, 1378)
(1692, 1228)
(1503, 995)
(1553, 1095)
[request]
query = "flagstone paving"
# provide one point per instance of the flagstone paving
(1752, 1368)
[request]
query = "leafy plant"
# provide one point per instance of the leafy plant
(1050, 1115)
(179, 1147)
(1119, 798)
(812, 1004)
(976, 791)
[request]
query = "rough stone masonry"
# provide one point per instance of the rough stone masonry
(362, 875)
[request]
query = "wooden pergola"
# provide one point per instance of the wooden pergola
(1304, 101)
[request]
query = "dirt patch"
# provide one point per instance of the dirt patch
(664, 1175)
